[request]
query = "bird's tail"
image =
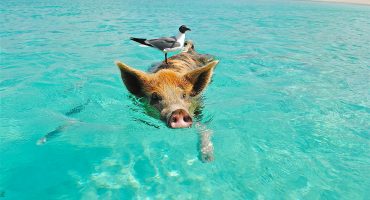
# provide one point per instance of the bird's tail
(140, 40)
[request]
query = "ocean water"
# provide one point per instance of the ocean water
(289, 104)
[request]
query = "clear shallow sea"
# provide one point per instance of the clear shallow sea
(289, 104)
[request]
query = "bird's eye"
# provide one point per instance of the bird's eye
(155, 98)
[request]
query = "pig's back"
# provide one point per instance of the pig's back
(184, 62)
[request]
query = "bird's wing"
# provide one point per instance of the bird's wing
(164, 43)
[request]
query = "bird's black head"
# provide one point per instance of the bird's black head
(183, 29)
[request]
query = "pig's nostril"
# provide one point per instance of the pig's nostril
(174, 119)
(187, 119)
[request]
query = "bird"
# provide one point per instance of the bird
(166, 44)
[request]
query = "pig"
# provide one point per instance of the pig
(173, 88)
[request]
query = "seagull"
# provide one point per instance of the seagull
(166, 44)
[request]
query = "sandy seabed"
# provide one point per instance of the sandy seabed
(364, 2)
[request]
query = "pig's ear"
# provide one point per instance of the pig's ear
(133, 79)
(200, 77)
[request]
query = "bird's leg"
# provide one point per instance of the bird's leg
(165, 56)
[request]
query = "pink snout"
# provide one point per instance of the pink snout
(180, 119)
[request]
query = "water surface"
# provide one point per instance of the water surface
(289, 104)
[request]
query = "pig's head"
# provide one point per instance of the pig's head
(173, 94)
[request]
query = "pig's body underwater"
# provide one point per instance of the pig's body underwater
(173, 88)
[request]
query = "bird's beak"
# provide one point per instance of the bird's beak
(188, 29)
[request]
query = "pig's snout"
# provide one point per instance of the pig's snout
(180, 119)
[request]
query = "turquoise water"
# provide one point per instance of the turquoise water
(289, 104)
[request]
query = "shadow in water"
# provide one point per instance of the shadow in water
(52, 134)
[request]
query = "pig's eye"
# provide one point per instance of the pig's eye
(155, 98)
(183, 95)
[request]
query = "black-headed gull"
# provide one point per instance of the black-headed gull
(166, 44)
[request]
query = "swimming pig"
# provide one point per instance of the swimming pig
(172, 88)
